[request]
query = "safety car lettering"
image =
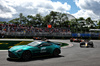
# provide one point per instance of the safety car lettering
(43, 49)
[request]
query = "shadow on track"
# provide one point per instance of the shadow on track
(34, 58)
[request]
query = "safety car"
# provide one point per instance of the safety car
(36, 48)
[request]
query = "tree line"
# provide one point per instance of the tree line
(56, 19)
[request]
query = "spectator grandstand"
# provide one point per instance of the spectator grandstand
(21, 30)
(12, 30)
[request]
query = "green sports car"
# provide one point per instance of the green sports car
(36, 48)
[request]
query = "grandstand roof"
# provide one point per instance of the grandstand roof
(70, 17)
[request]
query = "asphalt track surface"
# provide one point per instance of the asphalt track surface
(70, 56)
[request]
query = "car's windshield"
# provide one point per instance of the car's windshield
(35, 43)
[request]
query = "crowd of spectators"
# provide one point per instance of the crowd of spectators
(27, 29)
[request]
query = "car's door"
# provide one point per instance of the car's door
(45, 48)
(35, 51)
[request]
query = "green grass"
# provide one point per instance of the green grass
(64, 44)
(5, 45)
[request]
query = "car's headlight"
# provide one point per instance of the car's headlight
(19, 50)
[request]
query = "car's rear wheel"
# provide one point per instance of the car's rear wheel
(56, 52)
(92, 45)
(71, 40)
(80, 45)
(26, 55)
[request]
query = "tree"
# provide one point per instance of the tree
(38, 20)
(81, 18)
(21, 17)
(14, 21)
(31, 20)
(98, 24)
(46, 20)
(53, 17)
(62, 18)
(3, 22)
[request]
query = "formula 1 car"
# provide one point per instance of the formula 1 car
(36, 48)
(86, 43)
(76, 40)
(37, 38)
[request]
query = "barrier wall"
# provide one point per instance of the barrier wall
(47, 34)
(86, 35)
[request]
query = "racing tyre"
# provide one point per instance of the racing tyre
(91, 43)
(56, 52)
(92, 46)
(81, 46)
(71, 40)
(26, 55)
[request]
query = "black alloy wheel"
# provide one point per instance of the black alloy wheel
(56, 52)
(26, 55)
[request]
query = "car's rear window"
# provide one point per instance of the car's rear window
(35, 43)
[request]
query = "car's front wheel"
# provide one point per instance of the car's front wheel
(26, 55)
(56, 52)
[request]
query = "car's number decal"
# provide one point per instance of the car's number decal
(43, 50)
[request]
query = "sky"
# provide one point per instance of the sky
(10, 9)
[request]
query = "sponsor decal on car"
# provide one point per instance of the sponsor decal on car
(43, 49)
(85, 44)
